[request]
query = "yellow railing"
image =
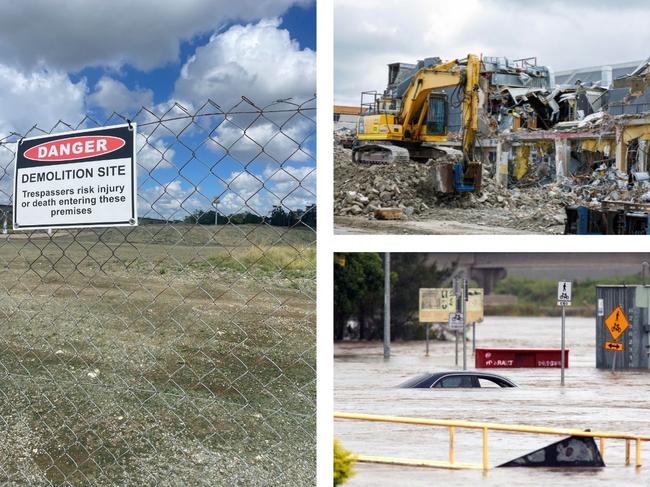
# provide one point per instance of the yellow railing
(485, 427)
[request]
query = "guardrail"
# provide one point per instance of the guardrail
(485, 427)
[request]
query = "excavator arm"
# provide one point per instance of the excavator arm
(423, 118)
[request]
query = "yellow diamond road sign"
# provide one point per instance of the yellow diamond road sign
(616, 323)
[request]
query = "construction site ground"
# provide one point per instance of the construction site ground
(446, 222)
(535, 204)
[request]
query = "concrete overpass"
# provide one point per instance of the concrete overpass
(488, 268)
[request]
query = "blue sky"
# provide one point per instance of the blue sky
(300, 21)
(65, 65)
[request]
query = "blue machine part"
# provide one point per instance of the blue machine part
(459, 185)
(583, 220)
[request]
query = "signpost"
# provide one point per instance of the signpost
(387, 305)
(85, 178)
(563, 300)
(435, 305)
(456, 307)
(616, 323)
(464, 308)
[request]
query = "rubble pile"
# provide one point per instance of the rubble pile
(533, 207)
(608, 184)
(360, 189)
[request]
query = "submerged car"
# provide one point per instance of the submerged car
(461, 379)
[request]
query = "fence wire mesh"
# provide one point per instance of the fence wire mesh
(180, 351)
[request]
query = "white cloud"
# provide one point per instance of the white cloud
(113, 96)
(77, 33)
(562, 34)
(292, 187)
(152, 155)
(41, 97)
(7, 154)
(266, 140)
(172, 200)
(259, 61)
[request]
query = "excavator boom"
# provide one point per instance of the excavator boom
(414, 123)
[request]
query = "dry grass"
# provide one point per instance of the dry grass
(158, 356)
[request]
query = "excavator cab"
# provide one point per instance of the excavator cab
(437, 114)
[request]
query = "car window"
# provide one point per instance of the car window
(487, 383)
(456, 381)
(415, 381)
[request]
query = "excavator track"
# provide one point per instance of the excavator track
(380, 154)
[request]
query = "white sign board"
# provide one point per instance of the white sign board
(436, 304)
(564, 293)
(475, 305)
(601, 307)
(85, 178)
(455, 321)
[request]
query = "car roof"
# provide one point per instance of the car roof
(431, 378)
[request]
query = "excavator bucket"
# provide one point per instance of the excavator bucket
(448, 177)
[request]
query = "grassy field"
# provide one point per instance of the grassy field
(161, 355)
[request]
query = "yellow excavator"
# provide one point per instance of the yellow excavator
(396, 128)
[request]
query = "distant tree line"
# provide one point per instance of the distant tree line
(278, 216)
(359, 294)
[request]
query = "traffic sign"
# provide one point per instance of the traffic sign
(616, 346)
(456, 321)
(617, 322)
(85, 178)
(564, 293)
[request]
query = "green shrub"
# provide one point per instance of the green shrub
(343, 463)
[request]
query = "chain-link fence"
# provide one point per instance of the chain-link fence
(180, 351)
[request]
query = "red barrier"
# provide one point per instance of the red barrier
(519, 358)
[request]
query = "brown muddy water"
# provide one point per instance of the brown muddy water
(597, 399)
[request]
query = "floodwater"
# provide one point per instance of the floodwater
(596, 399)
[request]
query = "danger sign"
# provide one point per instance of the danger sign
(85, 178)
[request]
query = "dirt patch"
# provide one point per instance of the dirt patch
(123, 362)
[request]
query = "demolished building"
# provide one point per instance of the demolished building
(586, 128)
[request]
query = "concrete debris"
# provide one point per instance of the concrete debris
(344, 137)
(360, 190)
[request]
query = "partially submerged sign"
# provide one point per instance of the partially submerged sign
(85, 178)
(574, 451)
(617, 322)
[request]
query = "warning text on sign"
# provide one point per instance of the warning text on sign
(83, 192)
